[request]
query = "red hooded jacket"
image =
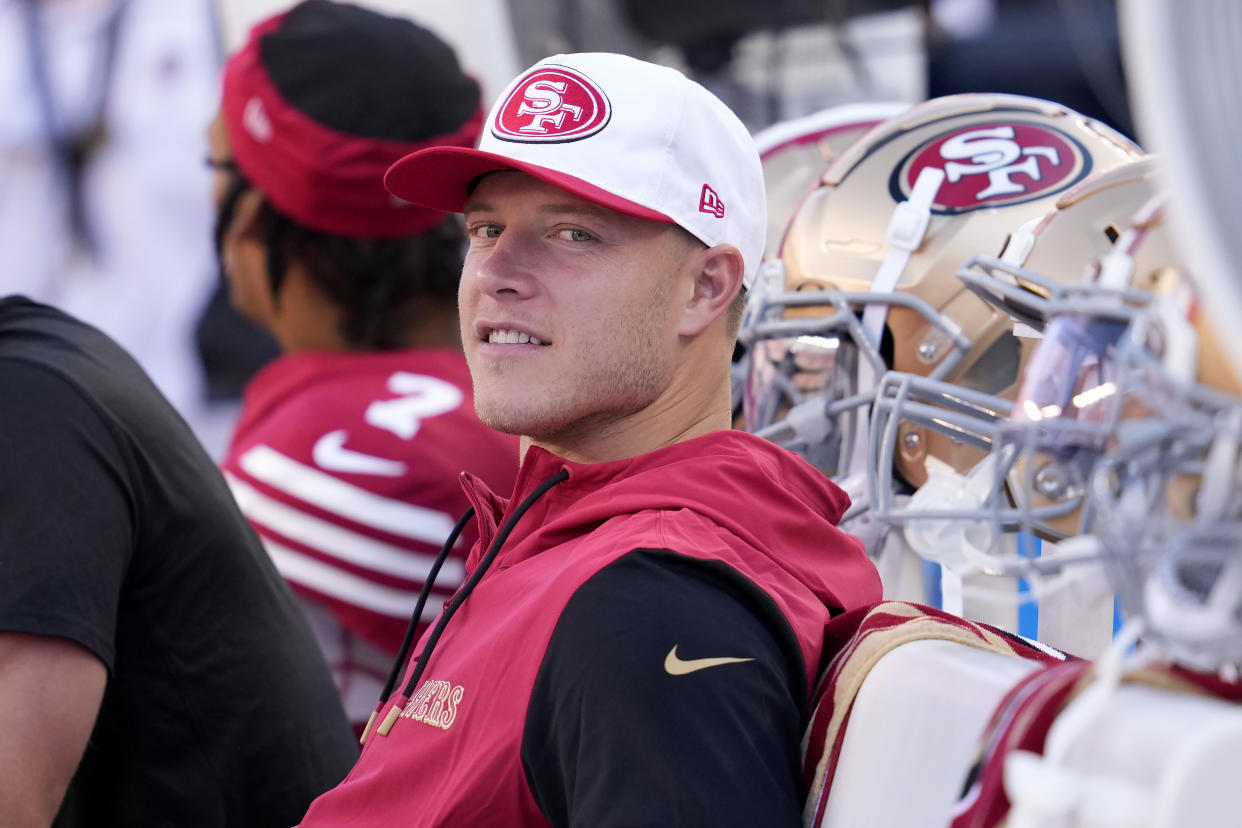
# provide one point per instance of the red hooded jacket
(641, 651)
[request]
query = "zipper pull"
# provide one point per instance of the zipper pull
(366, 731)
(393, 714)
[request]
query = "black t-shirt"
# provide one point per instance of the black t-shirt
(119, 533)
(710, 738)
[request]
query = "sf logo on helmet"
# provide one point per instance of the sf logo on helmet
(994, 153)
(989, 165)
(552, 104)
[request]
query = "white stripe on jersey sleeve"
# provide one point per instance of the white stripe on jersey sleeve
(333, 540)
(327, 579)
(323, 490)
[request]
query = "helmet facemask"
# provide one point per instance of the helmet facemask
(1167, 510)
(1035, 441)
(1125, 414)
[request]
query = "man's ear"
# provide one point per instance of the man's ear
(718, 279)
(242, 247)
(246, 223)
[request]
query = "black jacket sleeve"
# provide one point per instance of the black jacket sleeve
(671, 693)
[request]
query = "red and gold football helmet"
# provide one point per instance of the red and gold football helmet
(867, 277)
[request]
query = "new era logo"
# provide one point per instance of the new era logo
(710, 202)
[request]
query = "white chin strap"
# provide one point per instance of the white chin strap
(858, 520)
(965, 546)
(960, 545)
(906, 229)
(1017, 251)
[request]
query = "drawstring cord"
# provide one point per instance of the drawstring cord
(407, 640)
(451, 608)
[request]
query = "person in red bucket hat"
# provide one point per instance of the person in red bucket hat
(348, 448)
(642, 619)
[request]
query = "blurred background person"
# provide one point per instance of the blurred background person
(105, 205)
(483, 33)
(1068, 51)
(154, 667)
(349, 447)
(770, 62)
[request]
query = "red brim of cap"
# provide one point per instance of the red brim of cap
(440, 177)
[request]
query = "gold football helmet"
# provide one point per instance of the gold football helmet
(866, 281)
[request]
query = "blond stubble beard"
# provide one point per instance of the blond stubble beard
(598, 394)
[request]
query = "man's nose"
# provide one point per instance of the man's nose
(508, 269)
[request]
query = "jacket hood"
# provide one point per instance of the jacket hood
(763, 494)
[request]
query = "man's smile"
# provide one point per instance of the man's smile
(508, 336)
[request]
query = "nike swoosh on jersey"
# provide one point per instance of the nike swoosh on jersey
(330, 453)
(675, 666)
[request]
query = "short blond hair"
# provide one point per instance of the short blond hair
(733, 316)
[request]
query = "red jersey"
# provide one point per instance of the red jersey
(347, 465)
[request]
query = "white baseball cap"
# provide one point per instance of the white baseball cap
(636, 137)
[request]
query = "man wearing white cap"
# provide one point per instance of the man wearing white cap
(643, 619)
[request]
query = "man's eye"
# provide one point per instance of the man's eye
(575, 234)
(485, 231)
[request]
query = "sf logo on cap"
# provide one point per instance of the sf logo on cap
(552, 104)
(994, 164)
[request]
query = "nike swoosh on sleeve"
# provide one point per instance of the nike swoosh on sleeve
(675, 666)
(330, 453)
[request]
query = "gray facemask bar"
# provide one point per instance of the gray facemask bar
(984, 421)
(972, 417)
(1141, 541)
(842, 322)
(997, 283)
(796, 429)
(965, 415)
(980, 420)
(761, 319)
(757, 326)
